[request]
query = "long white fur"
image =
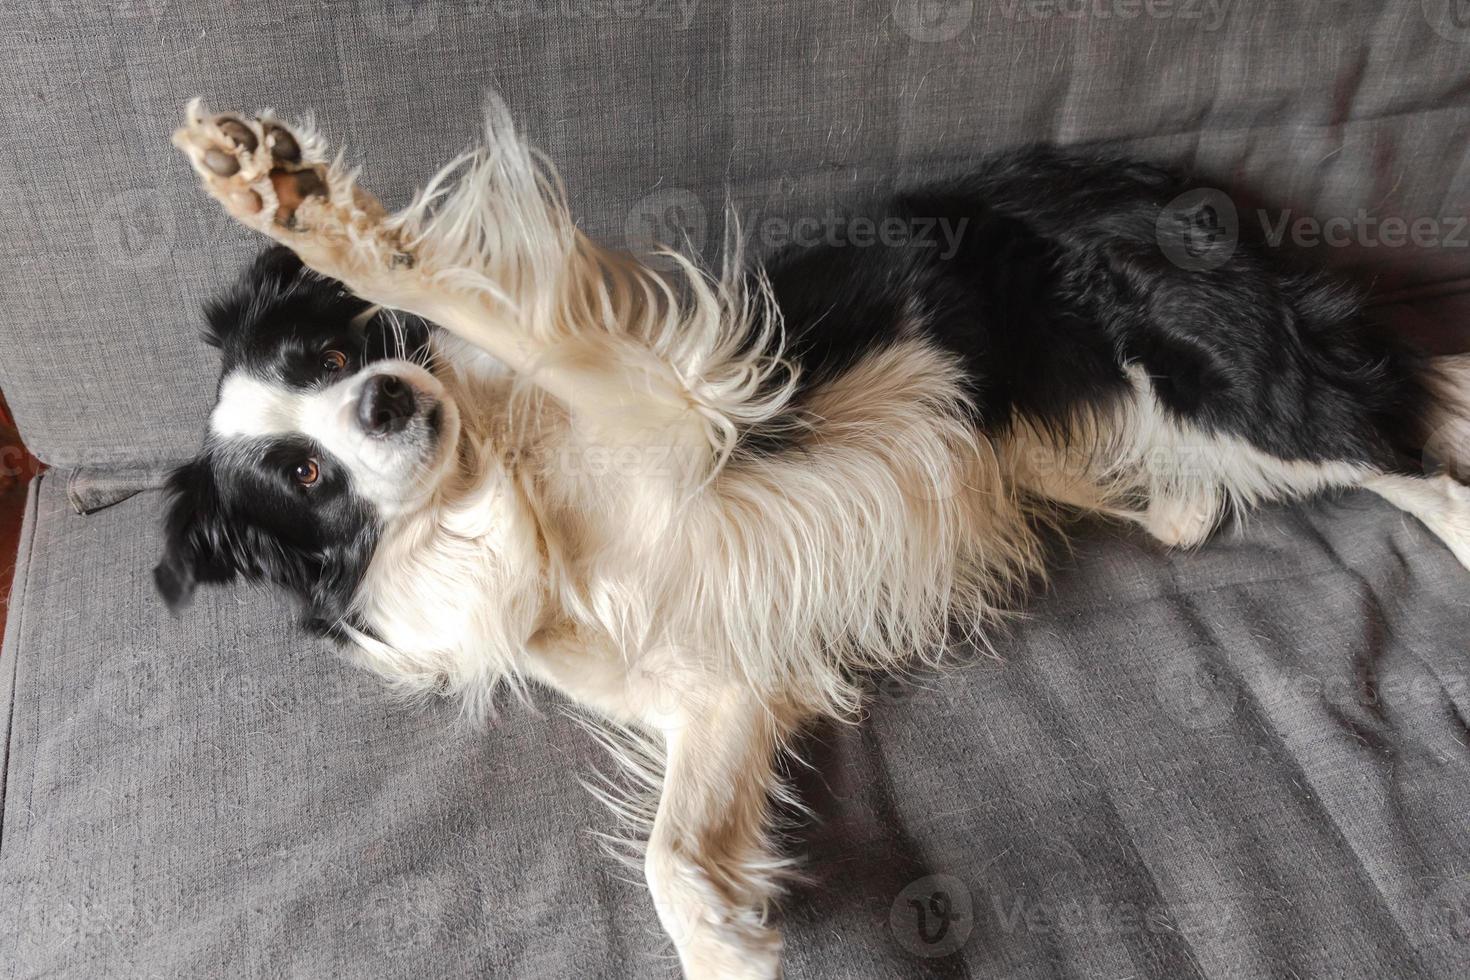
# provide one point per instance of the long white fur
(705, 604)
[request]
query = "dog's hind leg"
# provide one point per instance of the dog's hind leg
(710, 866)
(1446, 427)
(1440, 500)
(1440, 503)
(1135, 460)
(1190, 477)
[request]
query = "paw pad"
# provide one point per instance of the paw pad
(245, 163)
(238, 133)
(278, 180)
(222, 163)
(283, 145)
(292, 188)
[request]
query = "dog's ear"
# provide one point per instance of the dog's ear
(272, 273)
(196, 545)
(336, 574)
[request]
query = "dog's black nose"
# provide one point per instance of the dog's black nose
(386, 405)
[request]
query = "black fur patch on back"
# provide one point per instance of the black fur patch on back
(1057, 280)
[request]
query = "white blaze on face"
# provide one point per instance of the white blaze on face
(252, 407)
(392, 472)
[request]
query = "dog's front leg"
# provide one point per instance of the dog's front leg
(277, 179)
(500, 265)
(710, 865)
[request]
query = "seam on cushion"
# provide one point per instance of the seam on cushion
(73, 497)
(1325, 127)
(1133, 141)
(101, 460)
(10, 652)
(1169, 592)
(90, 489)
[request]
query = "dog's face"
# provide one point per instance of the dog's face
(327, 427)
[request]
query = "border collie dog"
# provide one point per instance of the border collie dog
(486, 451)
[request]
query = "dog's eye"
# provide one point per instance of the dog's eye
(334, 361)
(307, 472)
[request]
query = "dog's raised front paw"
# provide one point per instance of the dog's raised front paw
(260, 169)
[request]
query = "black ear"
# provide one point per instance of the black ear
(196, 547)
(271, 274)
(336, 574)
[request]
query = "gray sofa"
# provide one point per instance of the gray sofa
(1249, 761)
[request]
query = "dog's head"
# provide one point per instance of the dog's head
(327, 426)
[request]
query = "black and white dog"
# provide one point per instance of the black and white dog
(702, 506)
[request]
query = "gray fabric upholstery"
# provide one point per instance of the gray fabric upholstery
(655, 110)
(216, 795)
(1249, 761)
(1246, 762)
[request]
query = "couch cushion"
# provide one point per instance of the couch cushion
(1249, 761)
(656, 110)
